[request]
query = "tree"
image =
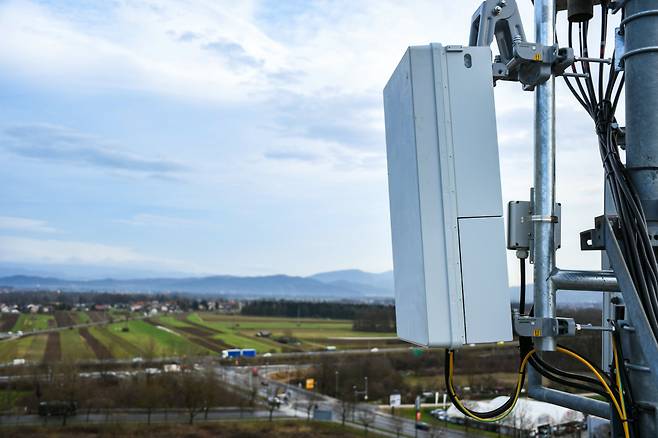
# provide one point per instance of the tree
(346, 406)
(366, 417)
(65, 386)
(150, 395)
(398, 424)
(191, 393)
(213, 392)
(311, 397)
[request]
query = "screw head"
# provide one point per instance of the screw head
(497, 10)
(503, 3)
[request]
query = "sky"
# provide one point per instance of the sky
(144, 137)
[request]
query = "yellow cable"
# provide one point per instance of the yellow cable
(621, 410)
(619, 387)
(517, 392)
(603, 382)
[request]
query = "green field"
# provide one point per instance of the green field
(193, 334)
(74, 346)
(81, 317)
(30, 348)
(28, 322)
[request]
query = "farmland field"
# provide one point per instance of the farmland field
(191, 334)
(28, 322)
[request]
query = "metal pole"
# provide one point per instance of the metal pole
(544, 193)
(564, 399)
(604, 281)
(640, 27)
(641, 65)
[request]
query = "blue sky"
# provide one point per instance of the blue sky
(208, 137)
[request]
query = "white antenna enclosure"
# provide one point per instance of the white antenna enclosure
(446, 205)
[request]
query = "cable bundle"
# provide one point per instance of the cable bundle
(602, 384)
(635, 242)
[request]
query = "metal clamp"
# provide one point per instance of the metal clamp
(519, 60)
(540, 218)
(531, 326)
(595, 238)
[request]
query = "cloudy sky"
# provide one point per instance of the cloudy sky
(237, 137)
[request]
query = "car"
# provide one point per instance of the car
(439, 414)
(422, 426)
(374, 350)
(274, 401)
(267, 355)
(56, 408)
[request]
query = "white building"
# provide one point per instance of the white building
(528, 414)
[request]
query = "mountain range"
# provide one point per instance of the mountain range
(348, 284)
(351, 284)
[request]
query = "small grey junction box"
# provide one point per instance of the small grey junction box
(446, 205)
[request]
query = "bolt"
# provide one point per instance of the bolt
(503, 3)
(497, 10)
(517, 39)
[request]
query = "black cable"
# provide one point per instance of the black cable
(453, 396)
(631, 407)
(522, 287)
(578, 381)
(540, 366)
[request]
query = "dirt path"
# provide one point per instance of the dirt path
(199, 336)
(96, 316)
(99, 349)
(122, 343)
(63, 319)
(183, 318)
(53, 352)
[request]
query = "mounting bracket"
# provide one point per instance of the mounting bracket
(519, 60)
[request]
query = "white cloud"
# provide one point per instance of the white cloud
(63, 252)
(25, 224)
(315, 74)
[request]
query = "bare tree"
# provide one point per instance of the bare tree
(398, 424)
(191, 393)
(346, 407)
(150, 395)
(65, 387)
(366, 417)
(213, 392)
(312, 398)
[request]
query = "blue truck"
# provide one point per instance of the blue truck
(230, 354)
(235, 353)
(248, 352)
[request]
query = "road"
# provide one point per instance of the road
(299, 400)
(140, 416)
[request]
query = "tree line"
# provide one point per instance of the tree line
(365, 317)
(194, 391)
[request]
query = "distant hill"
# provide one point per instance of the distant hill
(278, 286)
(350, 284)
(380, 284)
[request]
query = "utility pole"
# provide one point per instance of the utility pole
(639, 30)
(543, 214)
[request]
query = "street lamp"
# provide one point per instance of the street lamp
(336, 390)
